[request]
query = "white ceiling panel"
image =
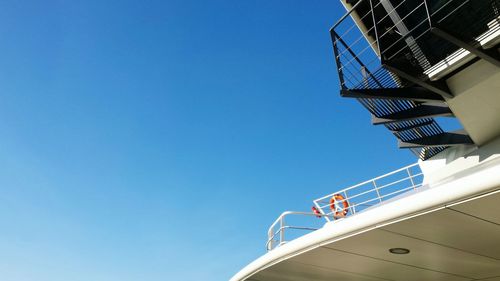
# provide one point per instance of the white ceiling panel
(460, 243)
(487, 208)
(292, 271)
(453, 229)
(373, 267)
(423, 254)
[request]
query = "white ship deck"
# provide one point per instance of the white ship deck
(451, 227)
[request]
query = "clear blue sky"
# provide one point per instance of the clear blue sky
(157, 140)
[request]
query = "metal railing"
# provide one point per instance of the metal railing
(276, 237)
(358, 198)
(362, 196)
(376, 32)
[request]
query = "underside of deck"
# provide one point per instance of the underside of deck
(457, 243)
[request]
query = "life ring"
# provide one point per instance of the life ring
(339, 205)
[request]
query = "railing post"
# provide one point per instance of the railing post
(376, 189)
(270, 239)
(375, 29)
(336, 53)
(411, 177)
(282, 230)
(321, 211)
(428, 14)
(353, 211)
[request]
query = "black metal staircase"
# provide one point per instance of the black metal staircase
(390, 55)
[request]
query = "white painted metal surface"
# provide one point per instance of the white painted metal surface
(435, 217)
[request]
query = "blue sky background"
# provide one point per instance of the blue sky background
(157, 140)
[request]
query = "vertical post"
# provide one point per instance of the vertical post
(428, 14)
(336, 53)
(411, 177)
(376, 189)
(365, 77)
(321, 210)
(375, 29)
(282, 230)
(269, 240)
(353, 211)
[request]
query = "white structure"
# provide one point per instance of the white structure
(440, 219)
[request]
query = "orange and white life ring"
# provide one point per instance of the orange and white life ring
(339, 206)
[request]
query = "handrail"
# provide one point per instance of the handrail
(360, 197)
(370, 180)
(271, 234)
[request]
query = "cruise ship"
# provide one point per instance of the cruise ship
(416, 66)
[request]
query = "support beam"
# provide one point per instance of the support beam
(437, 87)
(421, 111)
(489, 56)
(443, 139)
(416, 93)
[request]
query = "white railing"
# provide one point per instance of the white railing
(359, 197)
(276, 233)
(347, 202)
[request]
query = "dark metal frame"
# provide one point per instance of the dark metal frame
(408, 108)
(444, 139)
(414, 93)
(410, 127)
(419, 112)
